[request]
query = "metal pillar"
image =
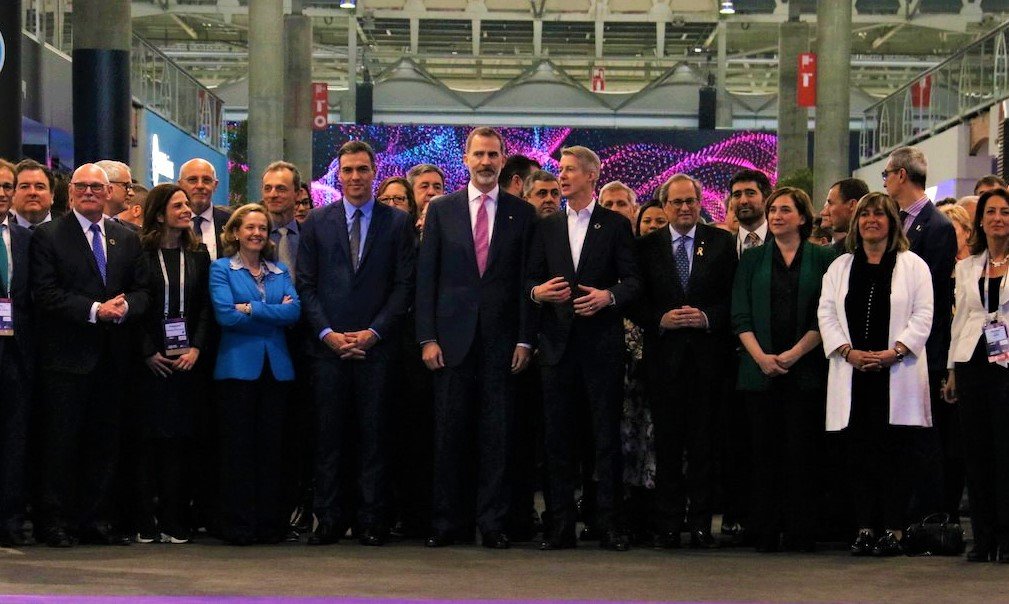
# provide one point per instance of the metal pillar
(833, 58)
(350, 107)
(298, 90)
(101, 80)
(266, 89)
(793, 39)
(10, 81)
(723, 111)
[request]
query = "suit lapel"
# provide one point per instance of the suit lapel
(77, 234)
(339, 219)
(112, 254)
(462, 223)
(377, 225)
(920, 223)
(701, 255)
(664, 263)
(503, 220)
(19, 259)
(594, 232)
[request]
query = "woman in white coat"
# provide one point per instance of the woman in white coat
(875, 315)
(980, 381)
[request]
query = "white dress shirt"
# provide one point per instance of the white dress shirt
(207, 234)
(474, 207)
(86, 226)
(578, 227)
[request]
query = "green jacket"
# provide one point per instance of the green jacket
(751, 311)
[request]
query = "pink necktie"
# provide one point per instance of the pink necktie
(480, 236)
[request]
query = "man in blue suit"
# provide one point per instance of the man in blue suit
(355, 278)
(932, 237)
(15, 366)
(474, 330)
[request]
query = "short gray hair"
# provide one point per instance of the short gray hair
(115, 170)
(586, 157)
(533, 178)
(616, 185)
(911, 160)
(419, 169)
(679, 177)
(283, 165)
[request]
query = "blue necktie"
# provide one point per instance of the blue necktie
(682, 262)
(96, 247)
(4, 276)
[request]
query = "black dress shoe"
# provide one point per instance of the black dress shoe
(670, 540)
(701, 539)
(58, 537)
(324, 534)
(496, 540)
(863, 544)
(615, 541)
(371, 537)
(104, 534)
(1002, 555)
(887, 546)
(558, 543)
(16, 538)
(439, 540)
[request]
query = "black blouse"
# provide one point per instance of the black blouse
(784, 299)
(868, 301)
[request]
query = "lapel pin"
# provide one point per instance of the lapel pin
(700, 249)
(510, 217)
(597, 226)
(112, 241)
(918, 228)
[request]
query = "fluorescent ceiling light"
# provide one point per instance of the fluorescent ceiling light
(353, 3)
(727, 8)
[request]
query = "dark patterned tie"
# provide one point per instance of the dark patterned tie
(198, 227)
(682, 261)
(355, 239)
(96, 247)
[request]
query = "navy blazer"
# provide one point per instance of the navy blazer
(452, 297)
(606, 262)
(248, 339)
(20, 292)
(933, 238)
(66, 282)
(375, 296)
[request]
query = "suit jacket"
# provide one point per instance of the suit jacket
(377, 295)
(66, 282)
(751, 311)
(248, 339)
(606, 262)
(709, 288)
(197, 310)
(453, 299)
(971, 315)
(20, 293)
(933, 238)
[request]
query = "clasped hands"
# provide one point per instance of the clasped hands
(351, 345)
(164, 366)
(113, 310)
(684, 316)
(871, 360)
(777, 364)
(558, 291)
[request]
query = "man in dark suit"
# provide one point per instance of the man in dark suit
(87, 288)
(473, 327)
(356, 261)
(687, 271)
(582, 272)
(15, 367)
(933, 238)
(842, 198)
(198, 178)
(121, 191)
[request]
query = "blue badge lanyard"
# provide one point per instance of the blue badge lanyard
(182, 282)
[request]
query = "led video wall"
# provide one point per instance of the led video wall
(642, 159)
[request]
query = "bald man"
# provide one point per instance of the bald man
(198, 178)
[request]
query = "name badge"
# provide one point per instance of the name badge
(176, 338)
(996, 337)
(6, 317)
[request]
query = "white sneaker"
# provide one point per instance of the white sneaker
(166, 538)
(141, 538)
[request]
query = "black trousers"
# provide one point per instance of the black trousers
(787, 434)
(81, 417)
(15, 408)
(352, 409)
(734, 449)
(299, 431)
(160, 487)
(473, 415)
(683, 411)
(412, 461)
(984, 412)
(584, 385)
(526, 450)
(251, 419)
(937, 473)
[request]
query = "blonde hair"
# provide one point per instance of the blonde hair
(958, 215)
(586, 157)
(229, 241)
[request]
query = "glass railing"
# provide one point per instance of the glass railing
(970, 81)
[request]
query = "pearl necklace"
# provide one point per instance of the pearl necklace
(999, 263)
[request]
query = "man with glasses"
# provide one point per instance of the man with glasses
(87, 283)
(304, 203)
(687, 272)
(121, 191)
(198, 179)
(33, 194)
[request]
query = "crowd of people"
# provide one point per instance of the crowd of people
(410, 364)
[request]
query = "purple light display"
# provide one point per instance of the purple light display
(642, 159)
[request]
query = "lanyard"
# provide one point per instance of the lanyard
(182, 282)
(987, 287)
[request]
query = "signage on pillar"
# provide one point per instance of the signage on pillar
(805, 90)
(598, 79)
(921, 92)
(320, 106)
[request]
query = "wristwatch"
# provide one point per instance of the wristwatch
(900, 355)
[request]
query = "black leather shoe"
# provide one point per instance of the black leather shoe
(1002, 555)
(104, 534)
(702, 539)
(324, 534)
(439, 540)
(558, 543)
(16, 538)
(589, 533)
(670, 540)
(58, 537)
(983, 552)
(496, 540)
(372, 537)
(863, 544)
(615, 541)
(888, 545)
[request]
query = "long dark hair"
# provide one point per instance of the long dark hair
(978, 239)
(155, 207)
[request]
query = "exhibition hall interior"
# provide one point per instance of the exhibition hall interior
(365, 301)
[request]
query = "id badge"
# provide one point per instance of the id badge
(176, 338)
(6, 317)
(996, 337)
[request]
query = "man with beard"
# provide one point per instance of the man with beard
(473, 327)
(514, 173)
(749, 189)
(543, 192)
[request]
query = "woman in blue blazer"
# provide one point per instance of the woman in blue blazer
(254, 299)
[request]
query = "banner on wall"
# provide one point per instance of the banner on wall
(921, 92)
(320, 106)
(163, 147)
(806, 85)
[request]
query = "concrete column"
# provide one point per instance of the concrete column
(537, 37)
(101, 80)
(266, 89)
(10, 81)
(660, 39)
(298, 90)
(351, 114)
(723, 114)
(793, 39)
(833, 65)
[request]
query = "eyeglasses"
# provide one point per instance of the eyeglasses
(682, 202)
(127, 186)
(194, 180)
(303, 203)
(886, 173)
(7, 186)
(392, 199)
(96, 187)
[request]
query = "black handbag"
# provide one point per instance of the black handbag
(935, 535)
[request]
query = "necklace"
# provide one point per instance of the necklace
(998, 263)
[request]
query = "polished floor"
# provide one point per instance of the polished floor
(409, 571)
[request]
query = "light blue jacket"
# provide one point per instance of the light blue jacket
(247, 339)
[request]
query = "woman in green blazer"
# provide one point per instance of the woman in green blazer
(783, 373)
